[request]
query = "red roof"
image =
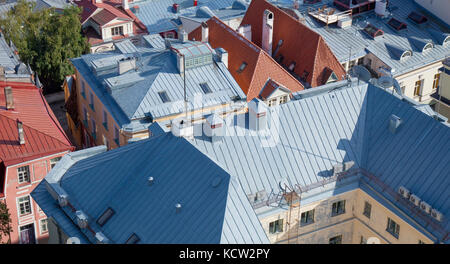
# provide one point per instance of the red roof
(270, 87)
(259, 65)
(43, 134)
(301, 45)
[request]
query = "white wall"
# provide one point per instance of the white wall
(439, 8)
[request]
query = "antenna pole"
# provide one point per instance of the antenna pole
(184, 84)
(349, 56)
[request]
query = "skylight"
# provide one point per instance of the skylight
(105, 216)
(417, 18)
(205, 88)
(242, 67)
(373, 31)
(133, 239)
(164, 97)
(396, 24)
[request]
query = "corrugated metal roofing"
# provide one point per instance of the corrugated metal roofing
(213, 207)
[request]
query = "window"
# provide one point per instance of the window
(396, 24)
(23, 174)
(363, 240)
(91, 104)
(307, 217)
(205, 88)
(117, 31)
(292, 66)
(133, 239)
(54, 161)
(360, 61)
(338, 208)
(164, 97)
(85, 114)
(436, 80)
(105, 216)
(369, 63)
(393, 228)
(273, 102)
(417, 18)
(105, 142)
(373, 31)
(105, 120)
(283, 99)
(336, 240)
(94, 129)
(24, 205)
(367, 209)
(276, 226)
(242, 67)
(83, 89)
(116, 135)
(421, 242)
(417, 88)
(43, 223)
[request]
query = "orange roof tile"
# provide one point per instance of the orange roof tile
(270, 87)
(259, 65)
(301, 45)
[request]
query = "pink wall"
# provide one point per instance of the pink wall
(38, 170)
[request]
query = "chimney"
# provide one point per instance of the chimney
(214, 127)
(183, 35)
(246, 31)
(182, 128)
(9, 98)
(267, 32)
(394, 123)
(126, 65)
(21, 134)
(176, 8)
(205, 32)
(257, 113)
(195, 2)
(125, 4)
(180, 62)
(222, 55)
(98, 1)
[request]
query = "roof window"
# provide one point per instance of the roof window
(373, 31)
(396, 24)
(105, 216)
(133, 239)
(242, 67)
(205, 88)
(164, 97)
(417, 18)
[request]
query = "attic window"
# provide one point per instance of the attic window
(105, 216)
(205, 88)
(133, 239)
(373, 31)
(164, 97)
(280, 59)
(396, 24)
(242, 67)
(418, 18)
(305, 75)
(405, 55)
(332, 78)
(428, 46)
(292, 66)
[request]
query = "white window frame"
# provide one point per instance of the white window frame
(24, 175)
(18, 205)
(41, 231)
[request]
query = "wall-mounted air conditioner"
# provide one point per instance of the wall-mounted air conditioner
(82, 219)
(425, 207)
(414, 199)
(436, 215)
(404, 192)
(63, 200)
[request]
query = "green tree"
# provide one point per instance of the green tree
(5, 222)
(46, 40)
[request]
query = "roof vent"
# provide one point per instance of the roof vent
(261, 195)
(425, 207)
(348, 165)
(414, 199)
(9, 98)
(214, 127)
(178, 207)
(82, 219)
(21, 134)
(101, 238)
(257, 111)
(404, 192)
(394, 123)
(182, 128)
(436, 215)
(222, 54)
(337, 168)
(63, 200)
(151, 180)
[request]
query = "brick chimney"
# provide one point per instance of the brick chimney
(21, 134)
(205, 32)
(125, 4)
(9, 98)
(267, 32)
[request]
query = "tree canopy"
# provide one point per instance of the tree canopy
(5, 222)
(46, 40)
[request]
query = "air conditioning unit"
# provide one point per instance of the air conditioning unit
(414, 199)
(337, 168)
(101, 238)
(82, 219)
(404, 192)
(63, 200)
(251, 198)
(436, 214)
(261, 195)
(425, 207)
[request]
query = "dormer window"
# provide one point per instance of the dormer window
(117, 31)
(405, 55)
(332, 78)
(242, 67)
(428, 46)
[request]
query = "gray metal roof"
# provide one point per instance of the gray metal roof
(342, 40)
(214, 208)
(135, 95)
(13, 67)
(40, 4)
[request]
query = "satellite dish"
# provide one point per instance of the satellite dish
(360, 72)
(385, 82)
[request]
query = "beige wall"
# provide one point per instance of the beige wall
(106, 29)
(351, 225)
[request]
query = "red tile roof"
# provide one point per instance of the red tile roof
(270, 87)
(43, 134)
(301, 45)
(260, 66)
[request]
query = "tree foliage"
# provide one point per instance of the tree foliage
(45, 39)
(5, 222)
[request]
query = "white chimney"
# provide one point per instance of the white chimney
(21, 134)
(394, 123)
(205, 32)
(125, 4)
(246, 31)
(257, 112)
(126, 65)
(182, 128)
(223, 56)
(267, 32)
(183, 35)
(9, 98)
(214, 127)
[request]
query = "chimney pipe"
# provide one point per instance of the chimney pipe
(267, 32)
(205, 32)
(9, 98)
(195, 2)
(21, 134)
(125, 4)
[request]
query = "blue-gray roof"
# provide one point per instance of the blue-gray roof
(134, 95)
(157, 15)
(10, 61)
(40, 4)
(214, 209)
(341, 40)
